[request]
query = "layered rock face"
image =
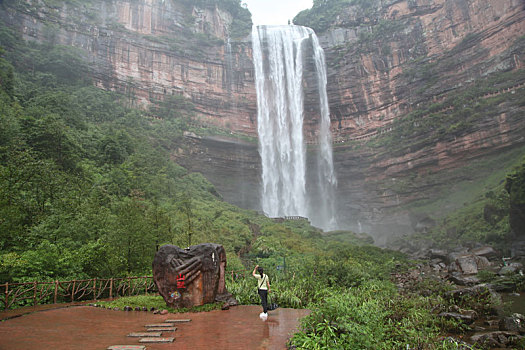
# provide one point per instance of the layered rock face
(420, 91)
(231, 164)
(150, 49)
(404, 54)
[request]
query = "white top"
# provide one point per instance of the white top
(262, 281)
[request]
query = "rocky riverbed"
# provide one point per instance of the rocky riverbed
(482, 287)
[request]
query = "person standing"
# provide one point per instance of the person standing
(263, 287)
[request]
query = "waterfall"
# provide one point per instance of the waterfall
(278, 55)
(327, 182)
(228, 77)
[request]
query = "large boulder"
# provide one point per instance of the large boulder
(498, 339)
(511, 323)
(486, 251)
(467, 264)
(467, 318)
(192, 276)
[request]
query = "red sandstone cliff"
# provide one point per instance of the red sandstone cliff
(427, 88)
(153, 48)
(409, 54)
(419, 91)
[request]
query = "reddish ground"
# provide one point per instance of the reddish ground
(86, 327)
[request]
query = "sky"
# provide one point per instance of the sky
(275, 11)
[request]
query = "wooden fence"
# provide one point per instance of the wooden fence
(34, 293)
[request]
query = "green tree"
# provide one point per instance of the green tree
(185, 205)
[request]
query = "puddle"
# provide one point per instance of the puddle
(85, 327)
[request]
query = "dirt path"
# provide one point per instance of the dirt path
(85, 327)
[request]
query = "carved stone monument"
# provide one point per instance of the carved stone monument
(192, 276)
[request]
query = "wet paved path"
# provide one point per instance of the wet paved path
(85, 327)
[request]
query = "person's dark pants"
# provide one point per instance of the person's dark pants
(263, 293)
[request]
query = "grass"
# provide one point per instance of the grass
(156, 302)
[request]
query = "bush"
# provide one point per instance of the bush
(372, 316)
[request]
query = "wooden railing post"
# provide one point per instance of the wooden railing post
(94, 289)
(73, 291)
(56, 292)
(129, 286)
(6, 295)
(146, 284)
(34, 292)
(111, 288)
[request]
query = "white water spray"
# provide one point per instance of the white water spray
(278, 59)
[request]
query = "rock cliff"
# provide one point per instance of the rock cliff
(150, 49)
(426, 96)
(419, 91)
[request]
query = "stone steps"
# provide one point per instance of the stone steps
(153, 334)
(145, 334)
(178, 320)
(158, 325)
(161, 329)
(157, 340)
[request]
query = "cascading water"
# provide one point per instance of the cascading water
(278, 55)
(327, 182)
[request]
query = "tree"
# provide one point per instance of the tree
(185, 205)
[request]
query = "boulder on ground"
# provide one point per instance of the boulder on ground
(499, 339)
(462, 280)
(438, 254)
(486, 251)
(192, 276)
(510, 268)
(512, 323)
(468, 264)
(467, 318)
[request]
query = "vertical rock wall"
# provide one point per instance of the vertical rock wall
(149, 49)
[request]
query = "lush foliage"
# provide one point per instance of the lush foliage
(324, 12)
(87, 186)
(515, 185)
(354, 302)
(242, 18)
(492, 217)
(371, 316)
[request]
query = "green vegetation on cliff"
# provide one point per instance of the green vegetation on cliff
(325, 12)
(488, 211)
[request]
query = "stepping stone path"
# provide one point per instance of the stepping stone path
(145, 334)
(178, 321)
(157, 325)
(157, 340)
(153, 334)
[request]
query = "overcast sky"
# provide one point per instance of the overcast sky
(275, 11)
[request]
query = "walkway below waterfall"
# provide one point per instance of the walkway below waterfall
(86, 327)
